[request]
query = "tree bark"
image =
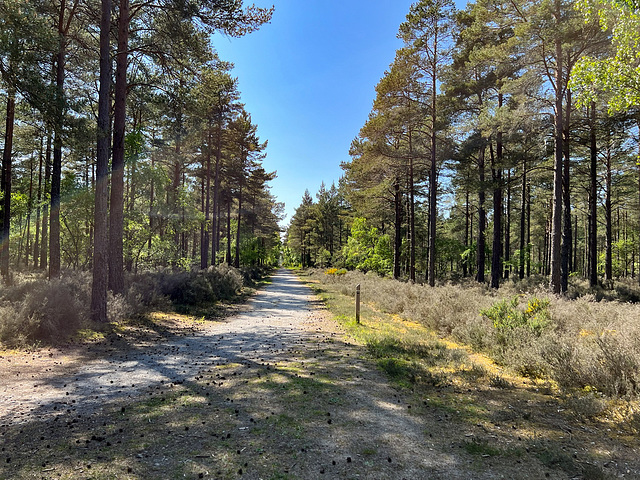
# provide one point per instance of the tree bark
(555, 283)
(36, 242)
(116, 203)
(522, 220)
(496, 254)
(433, 180)
(6, 185)
(482, 218)
(204, 248)
(608, 213)
(45, 212)
(566, 201)
(100, 245)
(215, 226)
(412, 217)
(236, 262)
(397, 244)
(593, 200)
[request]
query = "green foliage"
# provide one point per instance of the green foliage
(506, 315)
(367, 250)
(617, 73)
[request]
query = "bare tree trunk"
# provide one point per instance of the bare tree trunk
(36, 241)
(116, 203)
(507, 229)
(152, 198)
(638, 164)
(100, 261)
(529, 229)
(412, 215)
(204, 248)
(482, 220)
(29, 209)
(397, 244)
(496, 254)
(555, 283)
(215, 227)
(45, 213)
(6, 185)
(433, 180)
(236, 262)
(229, 231)
(522, 219)
(608, 213)
(566, 201)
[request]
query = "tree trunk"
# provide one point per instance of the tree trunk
(152, 213)
(433, 180)
(204, 248)
(100, 245)
(638, 165)
(397, 244)
(29, 209)
(507, 229)
(6, 185)
(412, 217)
(566, 201)
(215, 227)
(608, 213)
(529, 230)
(116, 203)
(36, 242)
(236, 262)
(54, 221)
(555, 283)
(45, 213)
(496, 254)
(482, 221)
(522, 219)
(229, 231)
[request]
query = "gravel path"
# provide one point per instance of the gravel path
(278, 318)
(335, 415)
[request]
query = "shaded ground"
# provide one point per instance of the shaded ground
(275, 392)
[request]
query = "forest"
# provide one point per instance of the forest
(126, 146)
(502, 144)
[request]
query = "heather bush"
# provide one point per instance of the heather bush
(38, 310)
(45, 310)
(198, 288)
(580, 342)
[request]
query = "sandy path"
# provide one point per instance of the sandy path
(372, 425)
(278, 318)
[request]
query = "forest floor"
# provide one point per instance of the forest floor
(276, 391)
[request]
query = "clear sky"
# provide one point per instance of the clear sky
(308, 79)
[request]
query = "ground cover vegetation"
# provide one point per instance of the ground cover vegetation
(126, 152)
(36, 312)
(583, 349)
(547, 366)
(498, 147)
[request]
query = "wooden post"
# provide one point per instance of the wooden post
(358, 303)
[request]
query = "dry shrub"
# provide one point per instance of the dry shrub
(118, 308)
(586, 404)
(221, 282)
(15, 330)
(46, 310)
(583, 343)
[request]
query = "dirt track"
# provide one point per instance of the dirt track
(300, 400)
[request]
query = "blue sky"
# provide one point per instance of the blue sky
(308, 80)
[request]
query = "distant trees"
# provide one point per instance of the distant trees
(169, 118)
(497, 117)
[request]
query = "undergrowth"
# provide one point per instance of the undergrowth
(36, 311)
(588, 348)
